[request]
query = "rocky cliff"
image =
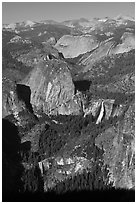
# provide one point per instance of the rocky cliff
(104, 139)
(118, 143)
(10, 102)
(52, 89)
(72, 46)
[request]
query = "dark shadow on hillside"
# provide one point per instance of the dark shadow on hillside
(78, 196)
(24, 94)
(99, 196)
(82, 85)
(111, 195)
(11, 160)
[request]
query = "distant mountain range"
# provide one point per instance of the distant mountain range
(70, 23)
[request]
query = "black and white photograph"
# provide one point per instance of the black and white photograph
(68, 101)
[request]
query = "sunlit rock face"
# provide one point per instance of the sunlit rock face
(51, 88)
(107, 48)
(100, 107)
(104, 109)
(10, 101)
(72, 107)
(72, 46)
(51, 41)
(64, 168)
(102, 50)
(128, 43)
(118, 143)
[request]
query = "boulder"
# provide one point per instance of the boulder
(52, 41)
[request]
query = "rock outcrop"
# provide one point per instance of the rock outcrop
(103, 109)
(51, 41)
(128, 43)
(52, 89)
(107, 48)
(10, 101)
(102, 51)
(72, 46)
(118, 143)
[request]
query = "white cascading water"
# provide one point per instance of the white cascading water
(101, 114)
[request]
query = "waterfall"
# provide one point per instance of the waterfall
(101, 113)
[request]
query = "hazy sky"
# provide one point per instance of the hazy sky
(60, 11)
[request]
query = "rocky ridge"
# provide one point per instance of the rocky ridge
(52, 88)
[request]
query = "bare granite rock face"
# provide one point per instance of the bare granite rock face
(72, 46)
(128, 43)
(10, 102)
(51, 41)
(106, 48)
(52, 89)
(99, 107)
(118, 142)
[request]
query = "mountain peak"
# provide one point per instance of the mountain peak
(10, 26)
(124, 17)
(28, 23)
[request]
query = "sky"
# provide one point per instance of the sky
(59, 11)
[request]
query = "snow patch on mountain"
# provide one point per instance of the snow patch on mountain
(11, 26)
(28, 23)
(18, 39)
